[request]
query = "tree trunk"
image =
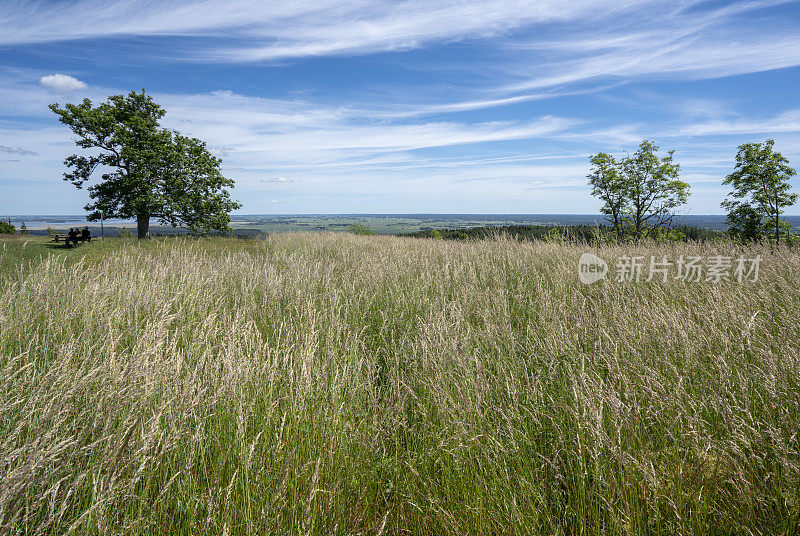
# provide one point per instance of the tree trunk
(142, 226)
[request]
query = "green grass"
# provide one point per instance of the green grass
(341, 384)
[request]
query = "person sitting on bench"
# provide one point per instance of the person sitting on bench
(72, 236)
(86, 235)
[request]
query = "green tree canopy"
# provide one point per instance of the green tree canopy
(640, 192)
(761, 192)
(145, 171)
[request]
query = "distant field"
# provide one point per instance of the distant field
(379, 223)
(322, 383)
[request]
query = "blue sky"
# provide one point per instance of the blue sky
(473, 106)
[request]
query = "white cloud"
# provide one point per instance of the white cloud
(686, 42)
(280, 180)
(531, 51)
(293, 28)
(62, 83)
(671, 39)
(295, 134)
(788, 121)
(364, 143)
(17, 150)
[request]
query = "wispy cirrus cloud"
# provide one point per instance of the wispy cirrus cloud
(279, 180)
(17, 150)
(784, 122)
(301, 131)
(547, 49)
(689, 41)
(291, 28)
(297, 137)
(567, 42)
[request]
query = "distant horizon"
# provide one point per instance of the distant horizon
(380, 223)
(388, 214)
(392, 214)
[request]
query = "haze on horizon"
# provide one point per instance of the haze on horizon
(360, 106)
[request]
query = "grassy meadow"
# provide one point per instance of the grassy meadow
(340, 384)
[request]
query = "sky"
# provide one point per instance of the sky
(407, 106)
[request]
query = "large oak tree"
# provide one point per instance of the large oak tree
(146, 171)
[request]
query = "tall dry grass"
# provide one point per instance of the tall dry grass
(334, 384)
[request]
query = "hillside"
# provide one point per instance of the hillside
(340, 384)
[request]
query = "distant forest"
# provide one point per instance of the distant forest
(582, 233)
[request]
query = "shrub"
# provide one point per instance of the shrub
(359, 229)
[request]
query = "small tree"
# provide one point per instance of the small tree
(150, 172)
(653, 188)
(23, 229)
(760, 192)
(640, 192)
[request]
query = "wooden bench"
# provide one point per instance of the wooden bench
(66, 239)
